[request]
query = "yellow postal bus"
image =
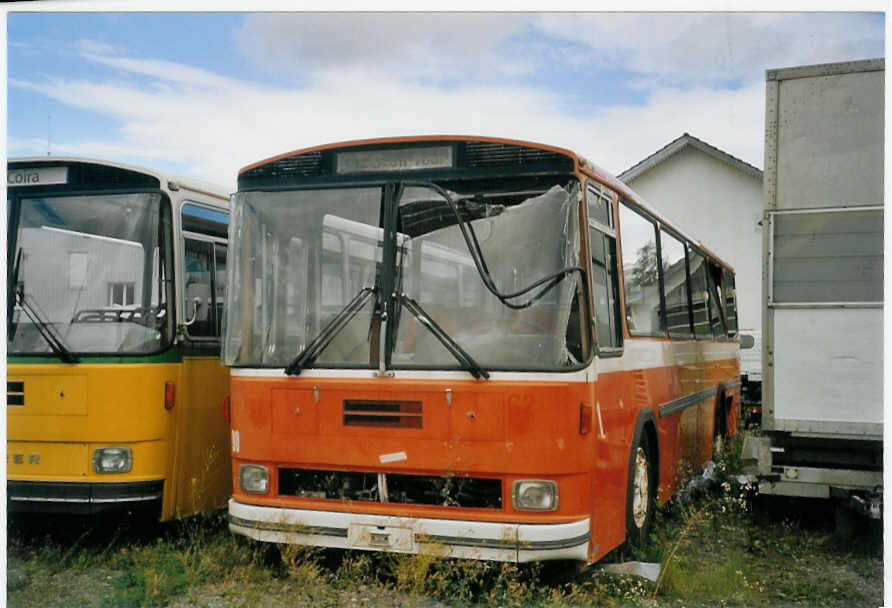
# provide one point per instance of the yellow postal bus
(115, 279)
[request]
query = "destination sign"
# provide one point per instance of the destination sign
(37, 176)
(404, 159)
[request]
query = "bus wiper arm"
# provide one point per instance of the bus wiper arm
(328, 333)
(451, 345)
(44, 329)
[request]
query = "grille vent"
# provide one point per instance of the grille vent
(392, 414)
(303, 165)
(15, 392)
(444, 490)
(487, 154)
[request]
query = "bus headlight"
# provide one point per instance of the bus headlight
(112, 460)
(535, 495)
(253, 478)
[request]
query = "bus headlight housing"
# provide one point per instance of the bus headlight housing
(253, 478)
(112, 460)
(535, 495)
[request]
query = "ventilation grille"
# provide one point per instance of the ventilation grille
(487, 154)
(444, 491)
(377, 414)
(303, 165)
(15, 392)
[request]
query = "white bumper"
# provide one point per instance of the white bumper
(505, 542)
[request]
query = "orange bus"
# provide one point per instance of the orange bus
(466, 346)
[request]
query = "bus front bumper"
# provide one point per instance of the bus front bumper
(82, 498)
(507, 542)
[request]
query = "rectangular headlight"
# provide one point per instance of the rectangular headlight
(112, 460)
(253, 478)
(535, 495)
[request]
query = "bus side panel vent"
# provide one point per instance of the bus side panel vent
(387, 414)
(15, 392)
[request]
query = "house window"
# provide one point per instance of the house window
(121, 294)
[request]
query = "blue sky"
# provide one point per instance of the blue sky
(204, 94)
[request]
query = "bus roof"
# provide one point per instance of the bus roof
(167, 180)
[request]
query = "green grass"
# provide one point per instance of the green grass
(717, 545)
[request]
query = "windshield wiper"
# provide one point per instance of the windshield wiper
(328, 333)
(451, 345)
(44, 329)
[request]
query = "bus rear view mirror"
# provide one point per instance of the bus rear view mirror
(746, 341)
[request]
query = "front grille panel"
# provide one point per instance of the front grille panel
(377, 414)
(442, 490)
(15, 392)
(446, 491)
(349, 485)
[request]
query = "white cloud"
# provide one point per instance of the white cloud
(698, 47)
(430, 45)
(225, 124)
(670, 48)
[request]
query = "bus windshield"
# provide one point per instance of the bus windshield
(493, 267)
(88, 275)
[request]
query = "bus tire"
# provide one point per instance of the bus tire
(641, 491)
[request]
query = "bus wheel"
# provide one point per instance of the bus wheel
(641, 494)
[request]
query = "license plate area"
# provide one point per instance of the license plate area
(381, 538)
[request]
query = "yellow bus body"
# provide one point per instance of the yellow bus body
(71, 410)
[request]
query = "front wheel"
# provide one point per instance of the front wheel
(641, 493)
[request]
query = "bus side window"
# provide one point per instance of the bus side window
(699, 294)
(641, 278)
(730, 294)
(219, 284)
(675, 286)
(716, 315)
(204, 257)
(199, 305)
(605, 291)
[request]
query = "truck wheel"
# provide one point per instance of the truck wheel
(641, 492)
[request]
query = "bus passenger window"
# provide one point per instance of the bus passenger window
(699, 295)
(219, 283)
(605, 295)
(641, 278)
(675, 286)
(716, 317)
(730, 301)
(199, 313)
(204, 255)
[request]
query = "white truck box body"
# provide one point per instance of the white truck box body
(823, 251)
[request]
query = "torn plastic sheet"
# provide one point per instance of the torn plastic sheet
(520, 244)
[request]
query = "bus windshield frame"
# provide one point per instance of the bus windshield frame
(437, 255)
(91, 270)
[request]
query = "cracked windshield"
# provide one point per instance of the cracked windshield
(480, 276)
(87, 276)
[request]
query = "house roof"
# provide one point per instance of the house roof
(680, 144)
